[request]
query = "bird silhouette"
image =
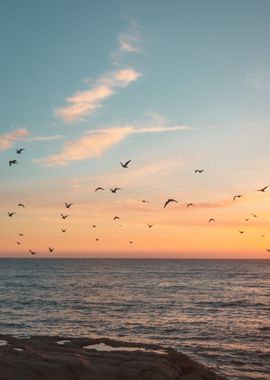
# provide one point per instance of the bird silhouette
(18, 242)
(241, 232)
(114, 190)
(10, 214)
(131, 242)
(144, 201)
(125, 165)
(32, 252)
(116, 217)
(254, 215)
(237, 196)
(99, 188)
(199, 171)
(263, 189)
(268, 249)
(19, 151)
(190, 204)
(12, 162)
(246, 219)
(94, 226)
(51, 249)
(150, 225)
(63, 230)
(68, 205)
(97, 239)
(21, 205)
(169, 201)
(20, 234)
(211, 220)
(64, 216)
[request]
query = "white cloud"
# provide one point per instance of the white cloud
(94, 143)
(8, 139)
(44, 138)
(85, 102)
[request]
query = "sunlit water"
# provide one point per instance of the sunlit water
(216, 310)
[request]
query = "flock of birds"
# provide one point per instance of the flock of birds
(114, 191)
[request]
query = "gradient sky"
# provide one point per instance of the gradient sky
(175, 86)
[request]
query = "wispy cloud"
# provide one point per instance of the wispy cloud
(94, 143)
(44, 138)
(8, 139)
(85, 102)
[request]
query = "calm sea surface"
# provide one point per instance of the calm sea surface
(218, 311)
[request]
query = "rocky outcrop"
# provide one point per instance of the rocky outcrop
(57, 358)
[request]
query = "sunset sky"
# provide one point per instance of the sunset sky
(174, 86)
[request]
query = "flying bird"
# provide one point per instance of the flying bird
(18, 242)
(211, 220)
(97, 239)
(199, 171)
(51, 249)
(32, 252)
(21, 205)
(99, 188)
(19, 151)
(144, 201)
(237, 196)
(115, 189)
(12, 162)
(169, 201)
(246, 219)
(64, 216)
(255, 216)
(268, 249)
(94, 226)
(10, 214)
(20, 234)
(263, 189)
(131, 242)
(126, 164)
(150, 225)
(190, 204)
(241, 232)
(116, 217)
(68, 204)
(63, 230)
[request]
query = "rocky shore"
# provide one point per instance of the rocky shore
(57, 358)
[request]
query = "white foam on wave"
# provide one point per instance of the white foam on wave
(3, 342)
(105, 347)
(17, 349)
(62, 342)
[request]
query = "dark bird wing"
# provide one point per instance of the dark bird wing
(211, 220)
(169, 201)
(99, 188)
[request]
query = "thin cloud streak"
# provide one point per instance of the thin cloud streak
(94, 143)
(44, 138)
(8, 139)
(84, 103)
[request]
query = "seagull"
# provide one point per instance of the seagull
(32, 252)
(241, 232)
(199, 171)
(20, 234)
(18, 242)
(190, 204)
(51, 249)
(97, 239)
(64, 216)
(268, 249)
(131, 242)
(115, 189)
(263, 189)
(150, 225)
(63, 230)
(126, 164)
(255, 216)
(94, 226)
(19, 151)
(144, 201)
(116, 217)
(21, 205)
(10, 214)
(12, 162)
(168, 201)
(68, 204)
(99, 188)
(237, 196)
(211, 220)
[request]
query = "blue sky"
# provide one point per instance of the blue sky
(178, 85)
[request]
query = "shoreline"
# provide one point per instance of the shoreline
(69, 358)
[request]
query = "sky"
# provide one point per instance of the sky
(172, 86)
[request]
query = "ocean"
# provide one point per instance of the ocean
(217, 311)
